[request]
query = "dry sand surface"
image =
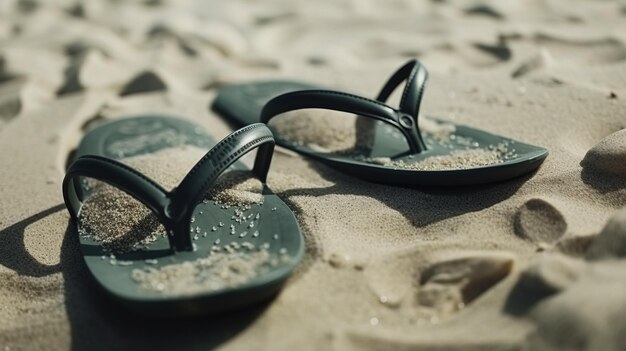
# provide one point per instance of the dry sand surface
(535, 263)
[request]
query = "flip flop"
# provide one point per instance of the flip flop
(276, 237)
(400, 153)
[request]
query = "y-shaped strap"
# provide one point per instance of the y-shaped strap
(173, 209)
(338, 101)
(204, 174)
(415, 75)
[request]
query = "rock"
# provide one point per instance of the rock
(471, 273)
(142, 83)
(551, 273)
(608, 156)
(611, 242)
(539, 221)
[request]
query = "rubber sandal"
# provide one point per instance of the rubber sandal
(276, 233)
(399, 148)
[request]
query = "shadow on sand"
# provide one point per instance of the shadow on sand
(604, 183)
(420, 205)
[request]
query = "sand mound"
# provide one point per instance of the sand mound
(586, 305)
(587, 315)
(574, 245)
(611, 242)
(449, 285)
(609, 155)
(237, 188)
(118, 221)
(551, 273)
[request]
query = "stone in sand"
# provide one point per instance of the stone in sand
(539, 221)
(551, 273)
(611, 243)
(144, 82)
(608, 156)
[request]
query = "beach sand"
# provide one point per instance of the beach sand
(534, 263)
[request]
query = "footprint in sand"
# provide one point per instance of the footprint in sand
(439, 283)
(448, 285)
(539, 221)
(608, 156)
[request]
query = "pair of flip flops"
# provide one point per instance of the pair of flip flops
(202, 235)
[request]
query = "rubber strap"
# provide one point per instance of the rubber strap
(339, 101)
(415, 75)
(173, 209)
(204, 174)
(114, 173)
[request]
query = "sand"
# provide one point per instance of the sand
(535, 263)
(218, 271)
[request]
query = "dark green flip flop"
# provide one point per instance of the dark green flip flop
(276, 237)
(396, 136)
